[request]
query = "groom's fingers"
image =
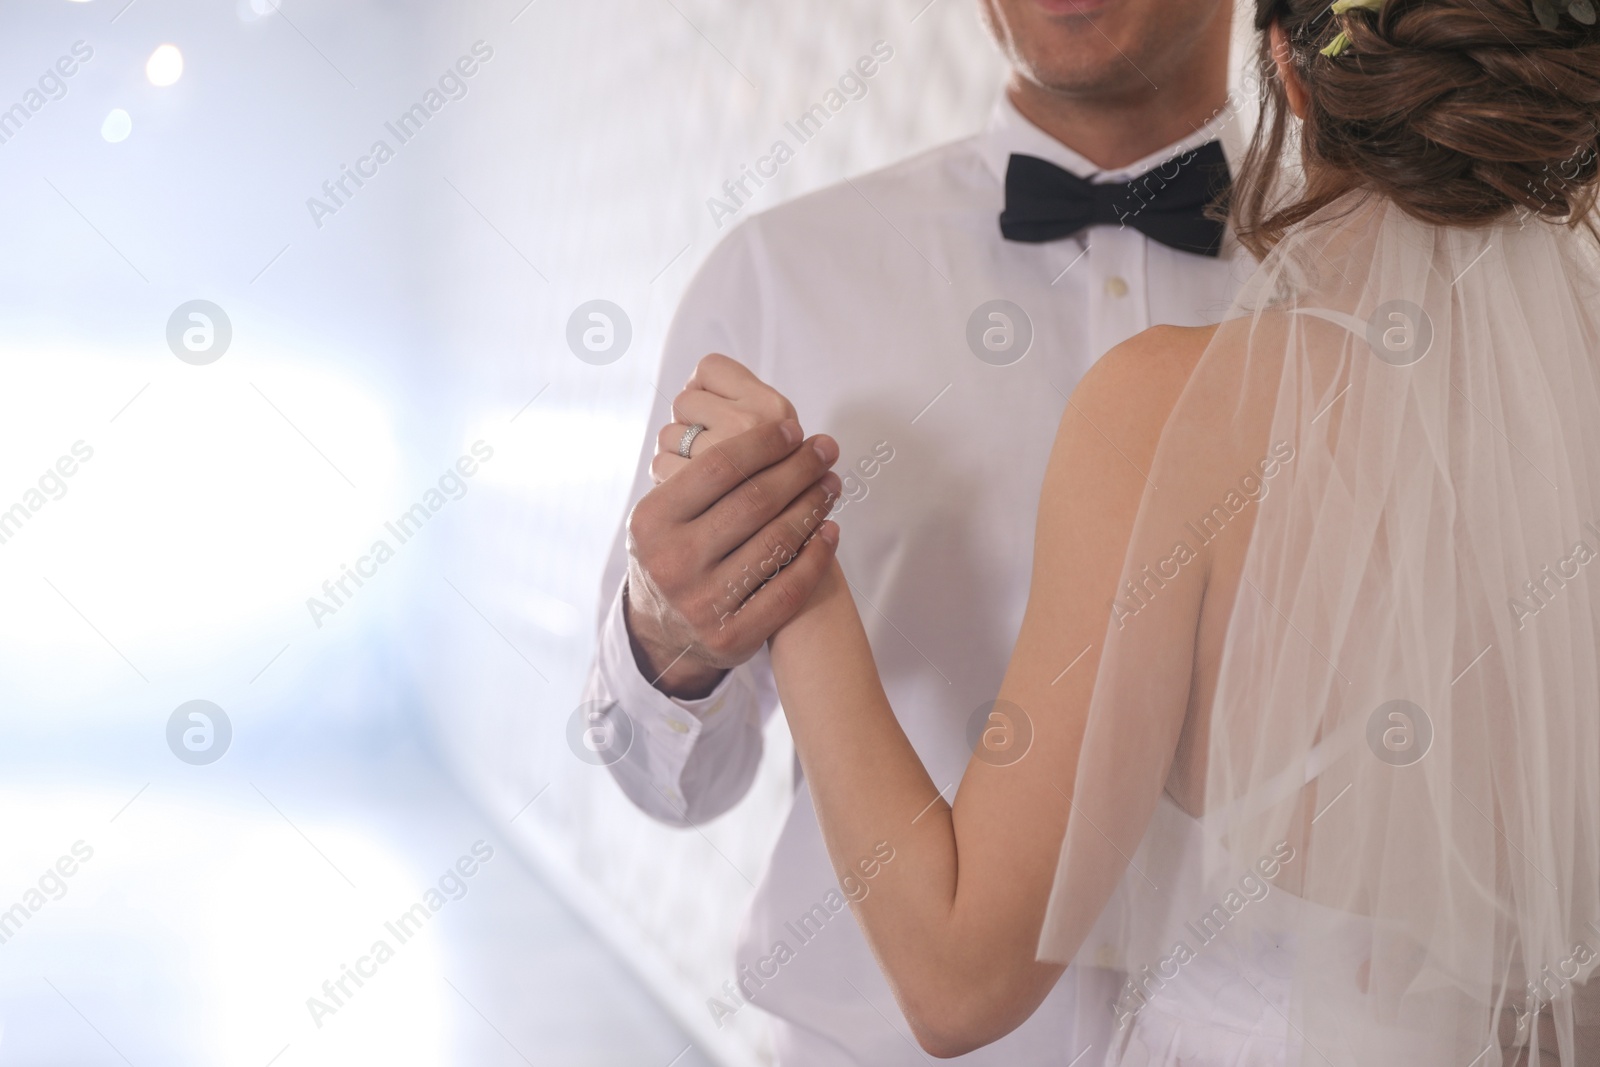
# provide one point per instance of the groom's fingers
(682, 532)
(725, 467)
(713, 473)
(718, 418)
(781, 596)
(743, 511)
(776, 544)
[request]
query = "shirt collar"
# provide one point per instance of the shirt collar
(1010, 133)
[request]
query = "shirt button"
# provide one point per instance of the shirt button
(1116, 286)
(680, 727)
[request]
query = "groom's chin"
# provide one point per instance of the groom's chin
(1095, 48)
(1075, 8)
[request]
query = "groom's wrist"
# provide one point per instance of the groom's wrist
(676, 672)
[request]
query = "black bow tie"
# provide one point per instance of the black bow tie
(1166, 204)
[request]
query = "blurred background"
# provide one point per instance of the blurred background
(240, 743)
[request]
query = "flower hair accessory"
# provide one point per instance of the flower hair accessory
(1548, 12)
(1342, 41)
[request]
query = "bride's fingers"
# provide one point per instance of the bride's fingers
(670, 438)
(665, 465)
(728, 418)
(724, 376)
(719, 419)
(729, 378)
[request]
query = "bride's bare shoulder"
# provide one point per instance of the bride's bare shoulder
(1137, 383)
(1106, 446)
(1111, 428)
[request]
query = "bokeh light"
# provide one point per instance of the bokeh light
(117, 126)
(165, 66)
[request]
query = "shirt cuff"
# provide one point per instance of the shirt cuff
(666, 729)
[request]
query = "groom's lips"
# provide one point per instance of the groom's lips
(1074, 7)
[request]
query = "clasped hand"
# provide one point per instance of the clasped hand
(744, 514)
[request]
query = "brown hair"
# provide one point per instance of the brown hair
(1460, 111)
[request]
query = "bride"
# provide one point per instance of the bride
(1301, 735)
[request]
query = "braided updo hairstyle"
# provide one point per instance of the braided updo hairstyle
(1462, 112)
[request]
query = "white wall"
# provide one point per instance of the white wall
(598, 134)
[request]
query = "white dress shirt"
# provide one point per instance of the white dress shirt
(854, 302)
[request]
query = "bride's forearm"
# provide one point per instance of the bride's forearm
(849, 741)
(841, 719)
(874, 798)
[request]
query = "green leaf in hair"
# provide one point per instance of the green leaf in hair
(1342, 41)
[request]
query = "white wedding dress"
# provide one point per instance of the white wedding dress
(1226, 1001)
(1393, 645)
(1222, 1002)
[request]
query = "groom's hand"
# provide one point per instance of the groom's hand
(723, 525)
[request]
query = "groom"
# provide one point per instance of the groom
(933, 317)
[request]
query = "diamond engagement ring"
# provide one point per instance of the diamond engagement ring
(688, 439)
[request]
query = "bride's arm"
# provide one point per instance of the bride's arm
(955, 918)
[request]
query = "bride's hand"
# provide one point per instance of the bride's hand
(725, 398)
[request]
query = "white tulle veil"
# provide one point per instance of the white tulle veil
(1391, 451)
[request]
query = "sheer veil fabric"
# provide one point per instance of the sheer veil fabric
(1360, 607)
